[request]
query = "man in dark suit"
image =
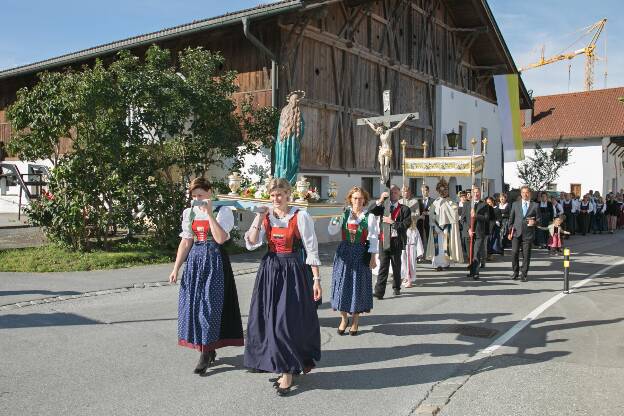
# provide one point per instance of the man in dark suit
(424, 204)
(464, 224)
(523, 218)
(398, 220)
(483, 214)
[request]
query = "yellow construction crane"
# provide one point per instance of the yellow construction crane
(588, 51)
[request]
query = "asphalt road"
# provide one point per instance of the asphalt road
(115, 353)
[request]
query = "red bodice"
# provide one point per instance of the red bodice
(201, 229)
(282, 239)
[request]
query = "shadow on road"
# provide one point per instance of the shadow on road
(49, 293)
(33, 320)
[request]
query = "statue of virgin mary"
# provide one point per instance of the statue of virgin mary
(289, 134)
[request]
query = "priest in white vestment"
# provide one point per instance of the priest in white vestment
(444, 245)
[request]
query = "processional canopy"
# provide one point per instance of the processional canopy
(444, 166)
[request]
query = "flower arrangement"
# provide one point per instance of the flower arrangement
(310, 195)
(254, 191)
(248, 191)
(261, 193)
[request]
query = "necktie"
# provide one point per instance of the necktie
(525, 208)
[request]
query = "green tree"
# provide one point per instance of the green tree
(542, 169)
(42, 115)
(144, 128)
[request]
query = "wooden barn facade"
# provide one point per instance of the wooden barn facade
(343, 54)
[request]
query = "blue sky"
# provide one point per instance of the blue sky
(37, 29)
(528, 24)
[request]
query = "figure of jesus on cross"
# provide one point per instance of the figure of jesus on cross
(381, 127)
(385, 150)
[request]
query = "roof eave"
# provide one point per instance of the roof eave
(535, 139)
(148, 39)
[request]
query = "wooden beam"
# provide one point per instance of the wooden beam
(478, 29)
(390, 119)
(339, 43)
(358, 112)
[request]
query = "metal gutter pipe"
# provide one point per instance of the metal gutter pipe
(274, 64)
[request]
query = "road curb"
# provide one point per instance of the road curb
(94, 293)
(13, 227)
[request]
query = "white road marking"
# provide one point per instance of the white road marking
(520, 325)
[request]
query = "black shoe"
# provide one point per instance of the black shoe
(205, 360)
(283, 391)
(438, 269)
(469, 275)
(353, 333)
(483, 265)
(514, 276)
(256, 370)
(378, 296)
(475, 277)
(397, 292)
(446, 268)
(342, 331)
(524, 279)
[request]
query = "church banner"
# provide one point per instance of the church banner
(444, 166)
(508, 98)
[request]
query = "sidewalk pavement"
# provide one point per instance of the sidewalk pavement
(10, 220)
(26, 287)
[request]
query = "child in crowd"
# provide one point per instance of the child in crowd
(555, 242)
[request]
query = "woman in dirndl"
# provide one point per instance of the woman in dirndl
(283, 331)
(352, 278)
(208, 312)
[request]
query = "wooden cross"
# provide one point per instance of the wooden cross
(387, 118)
(385, 150)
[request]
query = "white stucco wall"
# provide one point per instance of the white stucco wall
(453, 107)
(590, 165)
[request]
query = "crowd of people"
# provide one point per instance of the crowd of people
(283, 331)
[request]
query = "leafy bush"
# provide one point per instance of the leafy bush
(141, 129)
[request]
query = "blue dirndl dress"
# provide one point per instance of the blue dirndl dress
(352, 278)
(283, 331)
(208, 311)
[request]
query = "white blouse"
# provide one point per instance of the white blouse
(334, 228)
(305, 224)
(225, 218)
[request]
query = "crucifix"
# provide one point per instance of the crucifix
(381, 126)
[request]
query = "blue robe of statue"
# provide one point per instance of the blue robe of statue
(287, 153)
